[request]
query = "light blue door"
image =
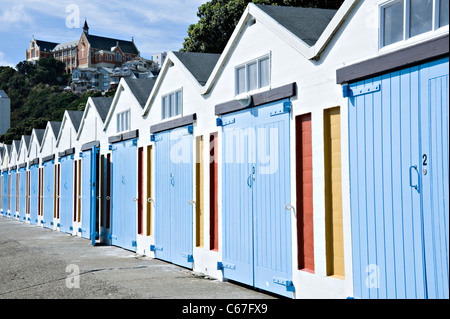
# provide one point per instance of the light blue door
(434, 175)
(5, 194)
(13, 176)
(22, 193)
(89, 194)
(256, 188)
(124, 188)
(34, 194)
(66, 194)
(174, 191)
(398, 151)
(48, 191)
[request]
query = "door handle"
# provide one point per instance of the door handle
(191, 202)
(249, 180)
(416, 187)
(135, 199)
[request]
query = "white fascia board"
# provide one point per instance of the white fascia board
(86, 109)
(227, 51)
(63, 124)
(47, 128)
(334, 25)
(113, 104)
(157, 85)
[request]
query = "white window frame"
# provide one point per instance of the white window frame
(406, 22)
(258, 74)
(123, 123)
(174, 94)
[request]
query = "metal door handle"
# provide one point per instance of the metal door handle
(172, 181)
(191, 202)
(108, 197)
(135, 199)
(249, 180)
(410, 177)
(149, 200)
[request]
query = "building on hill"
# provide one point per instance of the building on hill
(39, 49)
(96, 51)
(67, 53)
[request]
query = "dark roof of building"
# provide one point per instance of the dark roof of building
(199, 64)
(27, 139)
(16, 143)
(103, 43)
(45, 45)
(76, 117)
(141, 88)
(307, 24)
(39, 135)
(102, 104)
(56, 126)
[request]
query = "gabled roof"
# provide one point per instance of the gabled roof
(101, 104)
(103, 43)
(66, 45)
(75, 119)
(199, 64)
(196, 66)
(307, 24)
(307, 31)
(141, 88)
(56, 126)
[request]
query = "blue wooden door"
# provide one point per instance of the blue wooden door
(434, 175)
(48, 192)
(174, 194)
(13, 176)
(66, 194)
(256, 189)
(23, 193)
(5, 193)
(34, 193)
(398, 124)
(124, 206)
(86, 191)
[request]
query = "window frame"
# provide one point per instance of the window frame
(169, 96)
(123, 123)
(435, 23)
(246, 66)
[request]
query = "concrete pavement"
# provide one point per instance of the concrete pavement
(37, 263)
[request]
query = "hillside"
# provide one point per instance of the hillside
(37, 96)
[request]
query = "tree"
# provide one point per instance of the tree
(218, 19)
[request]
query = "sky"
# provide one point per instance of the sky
(155, 25)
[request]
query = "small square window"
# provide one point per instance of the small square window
(253, 75)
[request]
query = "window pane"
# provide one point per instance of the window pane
(393, 23)
(164, 103)
(252, 76)
(443, 13)
(264, 72)
(172, 105)
(179, 103)
(240, 78)
(421, 17)
(118, 123)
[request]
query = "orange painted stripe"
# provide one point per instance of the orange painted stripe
(305, 217)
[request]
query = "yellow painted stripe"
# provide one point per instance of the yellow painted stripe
(333, 193)
(199, 193)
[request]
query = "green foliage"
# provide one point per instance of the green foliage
(37, 96)
(218, 19)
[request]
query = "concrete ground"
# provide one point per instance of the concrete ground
(37, 263)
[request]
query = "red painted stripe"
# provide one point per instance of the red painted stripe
(305, 225)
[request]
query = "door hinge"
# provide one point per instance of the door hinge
(134, 243)
(284, 282)
(189, 257)
(221, 265)
(349, 92)
(155, 248)
(285, 108)
(220, 122)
